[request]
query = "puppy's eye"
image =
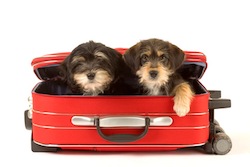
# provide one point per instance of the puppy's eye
(144, 58)
(79, 69)
(163, 57)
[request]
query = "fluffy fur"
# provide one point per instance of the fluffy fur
(95, 69)
(155, 62)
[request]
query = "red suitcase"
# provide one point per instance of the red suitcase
(122, 123)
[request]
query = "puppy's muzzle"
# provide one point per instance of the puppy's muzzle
(91, 75)
(153, 74)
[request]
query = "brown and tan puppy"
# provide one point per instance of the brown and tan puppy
(95, 69)
(155, 62)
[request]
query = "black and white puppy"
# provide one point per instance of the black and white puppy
(95, 69)
(155, 62)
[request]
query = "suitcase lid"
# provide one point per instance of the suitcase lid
(46, 67)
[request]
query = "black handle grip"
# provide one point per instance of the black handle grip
(119, 138)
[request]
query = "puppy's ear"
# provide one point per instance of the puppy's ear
(177, 56)
(66, 74)
(131, 57)
(64, 70)
(115, 58)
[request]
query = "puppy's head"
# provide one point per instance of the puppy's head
(91, 68)
(154, 61)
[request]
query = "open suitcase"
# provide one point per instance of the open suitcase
(122, 123)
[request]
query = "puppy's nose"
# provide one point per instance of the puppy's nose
(153, 73)
(91, 76)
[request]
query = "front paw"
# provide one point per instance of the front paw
(181, 110)
(182, 99)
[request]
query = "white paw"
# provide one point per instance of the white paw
(181, 110)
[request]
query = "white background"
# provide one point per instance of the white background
(219, 29)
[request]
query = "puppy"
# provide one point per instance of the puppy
(155, 62)
(95, 69)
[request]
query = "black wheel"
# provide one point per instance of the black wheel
(208, 148)
(222, 144)
(218, 129)
(27, 120)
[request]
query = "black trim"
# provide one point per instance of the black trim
(27, 120)
(38, 148)
(219, 103)
(215, 93)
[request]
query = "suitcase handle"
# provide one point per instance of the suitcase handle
(122, 137)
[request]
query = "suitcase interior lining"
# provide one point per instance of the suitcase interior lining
(190, 71)
(58, 88)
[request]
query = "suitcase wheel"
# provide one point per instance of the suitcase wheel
(208, 148)
(219, 142)
(27, 120)
(219, 129)
(222, 144)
